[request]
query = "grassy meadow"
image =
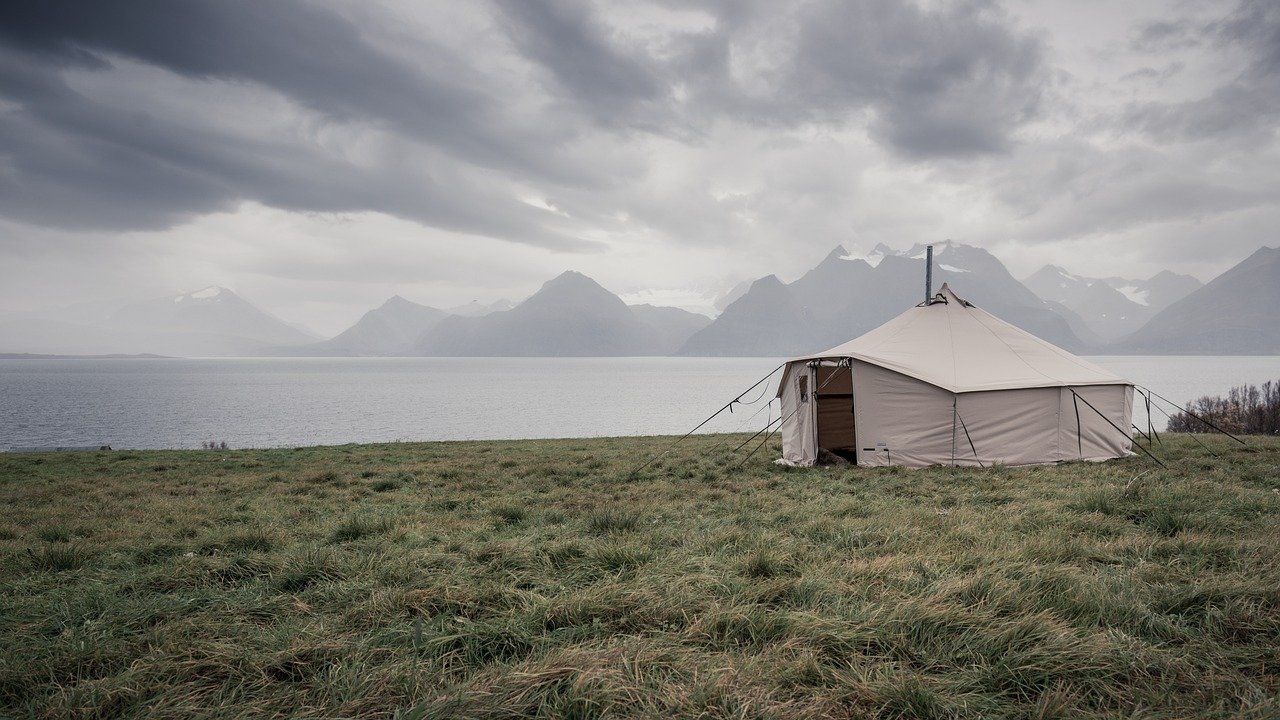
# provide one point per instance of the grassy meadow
(542, 579)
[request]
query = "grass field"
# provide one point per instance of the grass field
(516, 579)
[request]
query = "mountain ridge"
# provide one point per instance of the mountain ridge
(1233, 314)
(213, 321)
(571, 315)
(840, 297)
(845, 295)
(1113, 307)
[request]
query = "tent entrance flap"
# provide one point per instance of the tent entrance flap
(836, 428)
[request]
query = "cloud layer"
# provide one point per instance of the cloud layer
(669, 148)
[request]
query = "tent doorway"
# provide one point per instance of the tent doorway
(835, 418)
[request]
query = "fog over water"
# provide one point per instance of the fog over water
(179, 403)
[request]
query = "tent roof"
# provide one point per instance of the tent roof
(962, 348)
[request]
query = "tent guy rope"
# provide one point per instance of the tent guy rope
(699, 426)
(1206, 422)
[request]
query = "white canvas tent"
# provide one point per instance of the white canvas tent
(946, 383)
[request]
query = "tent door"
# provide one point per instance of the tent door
(836, 431)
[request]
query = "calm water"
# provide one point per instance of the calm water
(162, 403)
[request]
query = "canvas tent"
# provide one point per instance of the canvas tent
(946, 383)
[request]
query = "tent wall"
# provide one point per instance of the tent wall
(904, 421)
(1098, 439)
(900, 420)
(799, 412)
(1009, 427)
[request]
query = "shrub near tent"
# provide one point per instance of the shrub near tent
(946, 383)
(1246, 410)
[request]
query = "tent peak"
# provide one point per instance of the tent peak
(947, 295)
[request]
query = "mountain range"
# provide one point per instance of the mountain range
(571, 315)
(1111, 307)
(846, 295)
(213, 321)
(843, 296)
(1234, 314)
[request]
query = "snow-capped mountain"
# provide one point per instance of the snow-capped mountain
(1158, 291)
(1054, 283)
(848, 294)
(1112, 307)
(1234, 314)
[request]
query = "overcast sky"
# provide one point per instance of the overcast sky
(318, 157)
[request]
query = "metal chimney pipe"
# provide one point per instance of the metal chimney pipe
(928, 274)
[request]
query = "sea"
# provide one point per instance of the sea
(286, 402)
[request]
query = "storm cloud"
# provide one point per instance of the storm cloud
(662, 147)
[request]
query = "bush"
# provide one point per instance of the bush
(1246, 410)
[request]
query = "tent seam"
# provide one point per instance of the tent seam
(951, 340)
(1016, 354)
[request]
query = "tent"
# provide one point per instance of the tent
(946, 383)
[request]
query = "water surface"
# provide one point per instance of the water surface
(270, 402)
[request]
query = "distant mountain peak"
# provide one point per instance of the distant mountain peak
(399, 301)
(570, 315)
(570, 276)
(572, 289)
(768, 281)
(210, 293)
(570, 280)
(476, 309)
(873, 258)
(920, 250)
(1057, 271)
(1262, 253)
(389, 329)
(1232, 314)
(210, 321)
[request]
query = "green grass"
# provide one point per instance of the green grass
(543, 579)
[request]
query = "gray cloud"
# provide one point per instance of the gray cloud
(584, 64)
(1244, 107)
(1163, 34)
(74, 161)
(953, 81)
(299, 49)
(750, 134)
